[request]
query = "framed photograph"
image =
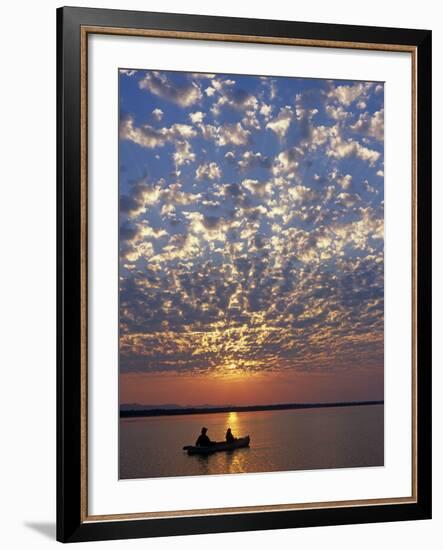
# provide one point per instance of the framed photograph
(244, 274)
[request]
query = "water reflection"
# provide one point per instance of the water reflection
(203, 464)
(233, 422)
(236, 461)
(229, 462)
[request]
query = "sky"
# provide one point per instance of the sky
(251, 239)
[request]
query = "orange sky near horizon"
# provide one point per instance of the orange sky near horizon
(259, 389)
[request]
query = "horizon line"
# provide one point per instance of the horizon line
(201, 409)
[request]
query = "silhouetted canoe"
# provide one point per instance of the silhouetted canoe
(218, 446)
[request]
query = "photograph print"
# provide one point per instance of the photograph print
(251, 273)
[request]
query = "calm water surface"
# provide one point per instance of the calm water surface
(304, 439)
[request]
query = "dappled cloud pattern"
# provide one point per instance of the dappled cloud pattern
(251, 224)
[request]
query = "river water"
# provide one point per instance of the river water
(303, 439)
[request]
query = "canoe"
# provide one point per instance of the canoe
(218, 446)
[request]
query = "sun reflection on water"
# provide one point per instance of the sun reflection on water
(233, 422)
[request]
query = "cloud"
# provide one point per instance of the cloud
(179, 247)
(136, 240)
(287, 162)
(348, 200)
(343, 148)
(210, 171)
(173, 194)
(250, 160)
(281, 123)
(209, 228)
(232, 97)
(345, 182)
(258, 188)
(319, 135)
(300, 193)
(159, 85)
(137, 251)
(147, 136)
(348, 94)
(157, 114)
(337, 112)
(228, 134)
(266, 110)
(198, 76)
(270, 84)
(128, 72)
(143, 194)
(307, 105)
(221, 85)
(370, 125)
(183, 153)
(250, 120)
(196, 117)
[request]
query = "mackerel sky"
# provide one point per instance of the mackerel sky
(251, 226)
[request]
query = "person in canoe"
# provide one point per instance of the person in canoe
(203, 440)
(229, 437)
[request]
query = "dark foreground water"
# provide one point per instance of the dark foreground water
(303, 439)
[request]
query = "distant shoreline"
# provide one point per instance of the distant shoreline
(246, 408)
